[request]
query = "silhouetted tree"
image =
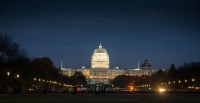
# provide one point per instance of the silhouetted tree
(123, 80)
(43, 68)
(12, 59)
(9, 50)
(172, 73)
(78, 78)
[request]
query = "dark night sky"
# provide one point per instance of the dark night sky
(161, 31)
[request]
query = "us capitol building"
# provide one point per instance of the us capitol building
(100, 73)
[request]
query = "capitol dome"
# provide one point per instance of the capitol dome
(100, 49)
(146, 65)
(100, 58)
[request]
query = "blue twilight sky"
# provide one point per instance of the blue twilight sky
(161, 31)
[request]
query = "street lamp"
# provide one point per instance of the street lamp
(17, 75)
(8, 73)
(34, 81)
(193, 80)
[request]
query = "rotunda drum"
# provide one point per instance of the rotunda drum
(100, 58)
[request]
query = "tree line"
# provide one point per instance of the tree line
(184, 77)
(17, 68)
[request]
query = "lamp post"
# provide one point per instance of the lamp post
(8, 73)
(35, 82)
(17, 80)
(193, 83)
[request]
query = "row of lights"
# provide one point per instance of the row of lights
(168, 83)
(44, 80)
(179, 81)
(8, 73)
(53, 82)
(145, 85)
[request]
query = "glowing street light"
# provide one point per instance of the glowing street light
(161, 90)
(179, 81)
(8, 73)
(193, 80)
(185, 80)
(34, 79)
(17, 75)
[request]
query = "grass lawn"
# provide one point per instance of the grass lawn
(109, 98)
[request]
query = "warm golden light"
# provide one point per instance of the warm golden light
(131, 88)
(100, 58)
(34, 79)
(161, 90)
(8, 73)
(17, 75)
(193, 80)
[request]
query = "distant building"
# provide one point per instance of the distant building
(146, 66)
(100, 73)
(100, 59)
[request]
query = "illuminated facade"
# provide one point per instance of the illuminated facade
(100, 73)
(100, 58)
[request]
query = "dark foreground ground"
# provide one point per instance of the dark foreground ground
(108, 98)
